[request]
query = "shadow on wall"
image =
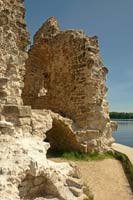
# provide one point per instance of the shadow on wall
(61, 137)
(39, 186)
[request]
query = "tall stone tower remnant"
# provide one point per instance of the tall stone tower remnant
(65, 74)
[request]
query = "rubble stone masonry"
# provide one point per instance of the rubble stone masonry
(25, 172)
(13, 43)
(65, 73)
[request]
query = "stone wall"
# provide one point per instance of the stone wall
(64, 73)
(24, 168)
(13, 42)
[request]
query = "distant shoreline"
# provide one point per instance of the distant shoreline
(114, 119)
(121, 115)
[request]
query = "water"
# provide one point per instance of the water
(124, 134)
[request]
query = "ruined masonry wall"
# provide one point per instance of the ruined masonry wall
(65, 73)
(13, 42)
(25, 172)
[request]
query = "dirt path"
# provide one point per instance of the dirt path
(106, 179)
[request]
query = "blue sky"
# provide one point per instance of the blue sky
(112, 21)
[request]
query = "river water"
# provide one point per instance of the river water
(124, 133)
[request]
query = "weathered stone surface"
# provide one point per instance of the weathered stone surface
(15, 110)
(114, 125)
(64, 73)
(25, 172)
(41, 121)
(4, 124)
(3, 82)
(13, 42)
(64, 64)
(64, 135)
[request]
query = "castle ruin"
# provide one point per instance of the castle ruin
(65, 74)
(25, 172)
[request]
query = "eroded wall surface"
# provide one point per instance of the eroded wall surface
(13, 42)
(64, 73)
(25, 172)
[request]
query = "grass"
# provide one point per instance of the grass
(90, 198)
(128, 167)
(88, 192)
(76, 156)
(86, 157)
(80, 156)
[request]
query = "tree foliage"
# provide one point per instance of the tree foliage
(121, 115)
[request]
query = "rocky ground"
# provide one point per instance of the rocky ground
(106, 179)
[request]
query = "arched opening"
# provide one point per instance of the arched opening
(61, 137)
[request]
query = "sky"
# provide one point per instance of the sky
(112, 22)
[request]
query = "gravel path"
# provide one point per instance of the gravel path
(106, 179)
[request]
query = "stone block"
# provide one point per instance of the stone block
(24, 121)
(14, 100)
(7, 131)
(5, 124)
(114, 125)
(72, 183)
(76, 191)
(3, 82)
(14, 110)
(38, 180)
